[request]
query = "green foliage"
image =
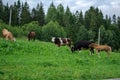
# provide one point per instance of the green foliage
(52, 29)
(23, 17)
(60, 14)
(93, 19)
(33, 26)
(52, 13)
(84, 34)
(39, 14)
(24, 60)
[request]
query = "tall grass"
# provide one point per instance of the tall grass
(24, 60)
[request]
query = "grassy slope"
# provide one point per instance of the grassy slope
(23, 60)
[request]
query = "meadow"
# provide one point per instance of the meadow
(29, 60)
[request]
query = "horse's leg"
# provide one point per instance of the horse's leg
(98, 52)
(90, 52)
(34, 38)
(108, 52)
(7, 37)
(28, 39)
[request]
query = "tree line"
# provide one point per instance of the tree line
(61, 22)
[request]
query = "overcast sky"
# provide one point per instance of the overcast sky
(108, 7)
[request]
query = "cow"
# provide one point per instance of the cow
(31, 36)
(61, 41)
(7, 35)
(82, 45)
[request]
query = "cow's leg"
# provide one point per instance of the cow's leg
(69, 45)
(58, 45)
(79, 50)
(91, 51)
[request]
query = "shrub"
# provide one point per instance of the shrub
(52, 29)
(33, 26)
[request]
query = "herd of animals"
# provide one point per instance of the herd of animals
(66, 41)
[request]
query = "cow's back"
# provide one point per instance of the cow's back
(82, 44)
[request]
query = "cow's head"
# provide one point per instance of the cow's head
(53, 39)
(72, 49)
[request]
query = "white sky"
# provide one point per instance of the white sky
(108, 7)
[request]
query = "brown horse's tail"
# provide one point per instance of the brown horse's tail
(110, 49)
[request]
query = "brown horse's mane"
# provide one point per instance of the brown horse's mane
(7, 35)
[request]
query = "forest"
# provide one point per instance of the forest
(60, 22)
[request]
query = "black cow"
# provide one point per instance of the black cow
(62, 41)
(82, 45)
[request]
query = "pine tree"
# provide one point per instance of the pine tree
(1, 10)
(60, 14)
(114, 20)
(16, 13)
(34, 14)
(25, 15)
(107, 22)
(41, 15)
(6, 12)
(51, 13)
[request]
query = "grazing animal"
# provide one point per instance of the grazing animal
(82, 45)
(99, 48)
(7, 35)
(31, 36)
(61, 41)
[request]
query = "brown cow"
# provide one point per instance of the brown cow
(31, 36)
(7, 35)
(99, 48)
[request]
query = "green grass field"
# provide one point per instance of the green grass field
(24, 60)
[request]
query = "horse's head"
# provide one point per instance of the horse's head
(4, 30)
(93, 45)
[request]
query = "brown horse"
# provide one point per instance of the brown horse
(99, 48)
(31, 36)
(7, 35)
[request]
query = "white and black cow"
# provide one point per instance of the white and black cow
(82, 45)
(62, 41)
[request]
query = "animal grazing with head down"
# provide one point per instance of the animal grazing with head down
(61, 41)
(7, 35)
(99, 48)
(31, 36)
(82, 45)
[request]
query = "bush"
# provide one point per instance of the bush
(52, 29)
(84, 34)
(33, 26)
